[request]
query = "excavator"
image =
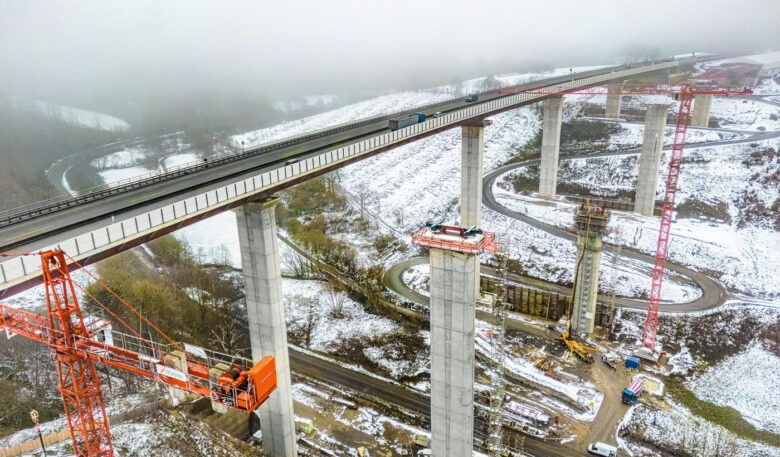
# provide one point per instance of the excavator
(575, 347)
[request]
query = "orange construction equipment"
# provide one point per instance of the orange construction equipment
(454, 238)
(80, 342)
(684, 93)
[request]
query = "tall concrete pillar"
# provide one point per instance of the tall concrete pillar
(267, 328)
(551, 145)
(701, 110)
(453, 297)
(650, 159)
(614, 99)
(473, 148)
(591, 222)
(473, 151)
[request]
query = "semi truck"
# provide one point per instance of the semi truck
(401, 122)
(632, 392)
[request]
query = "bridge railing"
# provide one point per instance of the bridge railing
(19, 269)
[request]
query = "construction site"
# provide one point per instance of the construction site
(559, 264)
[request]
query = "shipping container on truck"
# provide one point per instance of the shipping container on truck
(401, 122)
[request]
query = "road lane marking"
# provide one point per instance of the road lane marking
(30, 232)
(147, 196)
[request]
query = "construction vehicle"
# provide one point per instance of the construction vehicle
(575, 347)
(683, 93)
(610, 359)
(632, 392)
(229, 381)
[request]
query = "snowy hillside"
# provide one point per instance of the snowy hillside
(82, 117)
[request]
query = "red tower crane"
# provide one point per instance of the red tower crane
(684, 93)
(79, 342)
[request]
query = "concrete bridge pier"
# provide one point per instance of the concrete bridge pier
(614, 100)
(702, 104)
(267, 328)
(551, 145)
(591, 223)
(454, 278)
(650, 159)
(473, 150)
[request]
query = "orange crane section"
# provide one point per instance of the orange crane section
(79, 343)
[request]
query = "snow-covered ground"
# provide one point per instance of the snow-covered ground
(584, 394)
(336, 318)
(82, 117)
(748, 382)
(676, 430)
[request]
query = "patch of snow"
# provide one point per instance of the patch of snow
(748, 382)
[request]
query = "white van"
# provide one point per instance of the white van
(604, 449)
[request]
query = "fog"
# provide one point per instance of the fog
(130, 51)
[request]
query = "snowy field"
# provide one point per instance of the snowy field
(748, 382)
(676, 430)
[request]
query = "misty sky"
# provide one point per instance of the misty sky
(315, 45)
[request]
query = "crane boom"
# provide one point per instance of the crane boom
(80, 342)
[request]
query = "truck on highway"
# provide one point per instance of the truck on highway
(472, 97)
(401, 122)
(632, 392)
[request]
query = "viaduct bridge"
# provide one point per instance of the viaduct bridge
(113, 218)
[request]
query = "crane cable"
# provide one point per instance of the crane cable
(128, 305)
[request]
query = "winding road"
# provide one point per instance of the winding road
(714, 293)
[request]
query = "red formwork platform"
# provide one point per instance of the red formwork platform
(458, 239)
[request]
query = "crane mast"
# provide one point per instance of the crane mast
(82, 396)
(685, 96)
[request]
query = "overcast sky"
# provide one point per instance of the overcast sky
(313, 44)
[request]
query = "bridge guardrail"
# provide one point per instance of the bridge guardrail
(18, 269)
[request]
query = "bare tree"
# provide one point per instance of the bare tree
(296, 265)
(228, 337)
(312, 318)
(336, 298)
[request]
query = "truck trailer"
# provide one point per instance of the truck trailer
(401, 122)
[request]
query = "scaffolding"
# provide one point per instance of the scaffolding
(495, 364)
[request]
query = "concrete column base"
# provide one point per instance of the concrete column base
(453, 298)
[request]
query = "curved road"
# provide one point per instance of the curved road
(714, 293)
